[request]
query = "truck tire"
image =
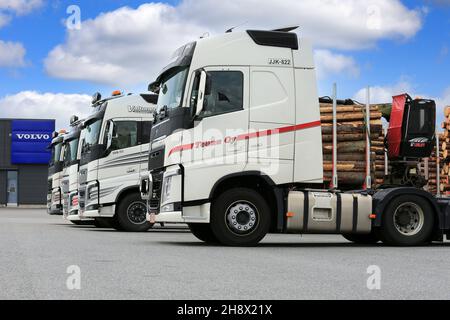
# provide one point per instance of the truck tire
(203, 232)
(130, 214)
(370, 238)
(407, 221)
(240, 217)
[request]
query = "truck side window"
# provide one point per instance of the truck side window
(227, 92)
(125, 135)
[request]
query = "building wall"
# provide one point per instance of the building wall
(3, 196)
(32, 184)
(5, 145)
(32, 178)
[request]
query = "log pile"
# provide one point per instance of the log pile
(444, 161)
(351, 144)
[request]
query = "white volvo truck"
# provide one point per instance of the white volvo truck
(237, 150)
(55, 168)
(114, 152)
(69, 182)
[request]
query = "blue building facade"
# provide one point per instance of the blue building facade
(24, 158)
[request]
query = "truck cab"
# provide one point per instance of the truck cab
(69, 184)
(113, 153)
(219, 116)
(55, 168)
(236, 151)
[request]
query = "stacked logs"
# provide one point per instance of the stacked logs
(351, 144)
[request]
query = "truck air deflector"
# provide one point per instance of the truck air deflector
(274, 38)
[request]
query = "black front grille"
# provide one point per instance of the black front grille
(81, 197)
(156, 191)
(156, 158)
(154, 204)
(157, 185)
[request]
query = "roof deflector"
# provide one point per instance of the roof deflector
(286, 29)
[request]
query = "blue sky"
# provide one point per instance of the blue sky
(393, 60)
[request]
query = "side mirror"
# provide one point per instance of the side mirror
(202, 92)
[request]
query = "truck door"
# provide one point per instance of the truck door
(121, 165)
(219, 137)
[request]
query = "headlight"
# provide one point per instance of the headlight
(167, 184)
(168, 208)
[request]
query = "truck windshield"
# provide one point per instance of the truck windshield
(70, 151)
(171, 89)
(56, 153)
(91, 134)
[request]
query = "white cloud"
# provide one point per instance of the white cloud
(384, 94)
(32, 104)
(4, 19)
(129, 46)
(444, 99)
(20, 7)
(328, 63)
(12, 54)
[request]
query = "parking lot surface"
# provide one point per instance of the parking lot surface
(39, 254)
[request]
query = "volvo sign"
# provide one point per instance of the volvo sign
(29, 141)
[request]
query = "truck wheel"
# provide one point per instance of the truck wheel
(369, 238)
(130, 214)
(240, 217)
(203, 232)
(407, 221)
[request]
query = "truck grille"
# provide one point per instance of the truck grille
(156, 192)
(81, 198)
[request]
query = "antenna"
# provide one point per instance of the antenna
(232, 28)
(286, 29)
(205, 35)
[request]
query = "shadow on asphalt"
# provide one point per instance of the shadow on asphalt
(301, 245)
(149, 231)
(271, 245)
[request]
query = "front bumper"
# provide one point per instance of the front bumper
(194, 214)
(76, 217)
(55, 210)
(55, 206)
(169, 217)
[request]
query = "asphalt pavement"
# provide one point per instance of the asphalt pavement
(45, 257)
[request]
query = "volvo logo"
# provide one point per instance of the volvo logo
(32, 136)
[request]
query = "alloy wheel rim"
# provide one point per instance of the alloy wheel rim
(409, 218)
(136, 212)
(242, 217)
